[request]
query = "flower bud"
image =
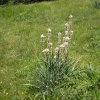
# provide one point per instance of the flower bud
(66, 39)
(49, 30)
(59, 34)
(66, 33)
(67, 26)
(71, 33)
(66, 44)
(55, 57)
(49, 35)
(45, 51)
(42, 38)
(70, 17)
(61, 48)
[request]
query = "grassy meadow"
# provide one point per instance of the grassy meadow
(20, 29)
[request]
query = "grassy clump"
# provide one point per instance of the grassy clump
(50, 77)
(58, 78)
(64, 80)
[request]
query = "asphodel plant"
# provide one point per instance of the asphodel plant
(61, 50)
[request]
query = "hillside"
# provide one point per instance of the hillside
(20, 29)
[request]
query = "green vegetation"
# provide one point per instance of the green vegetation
(20, 30)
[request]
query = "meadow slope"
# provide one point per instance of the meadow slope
(20, 30)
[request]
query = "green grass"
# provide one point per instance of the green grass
(20, 30)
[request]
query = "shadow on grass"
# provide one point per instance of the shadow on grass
(4, 2)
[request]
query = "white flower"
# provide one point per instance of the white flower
(49, 35)
(42, 36)
(62, 46)
(71, 32)
(55, 57)
(65, 44)
(59, 34)
(49, 30)
(45, 51)
(66, 24)
(70, 16)
(66, 33)
(67, 39)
